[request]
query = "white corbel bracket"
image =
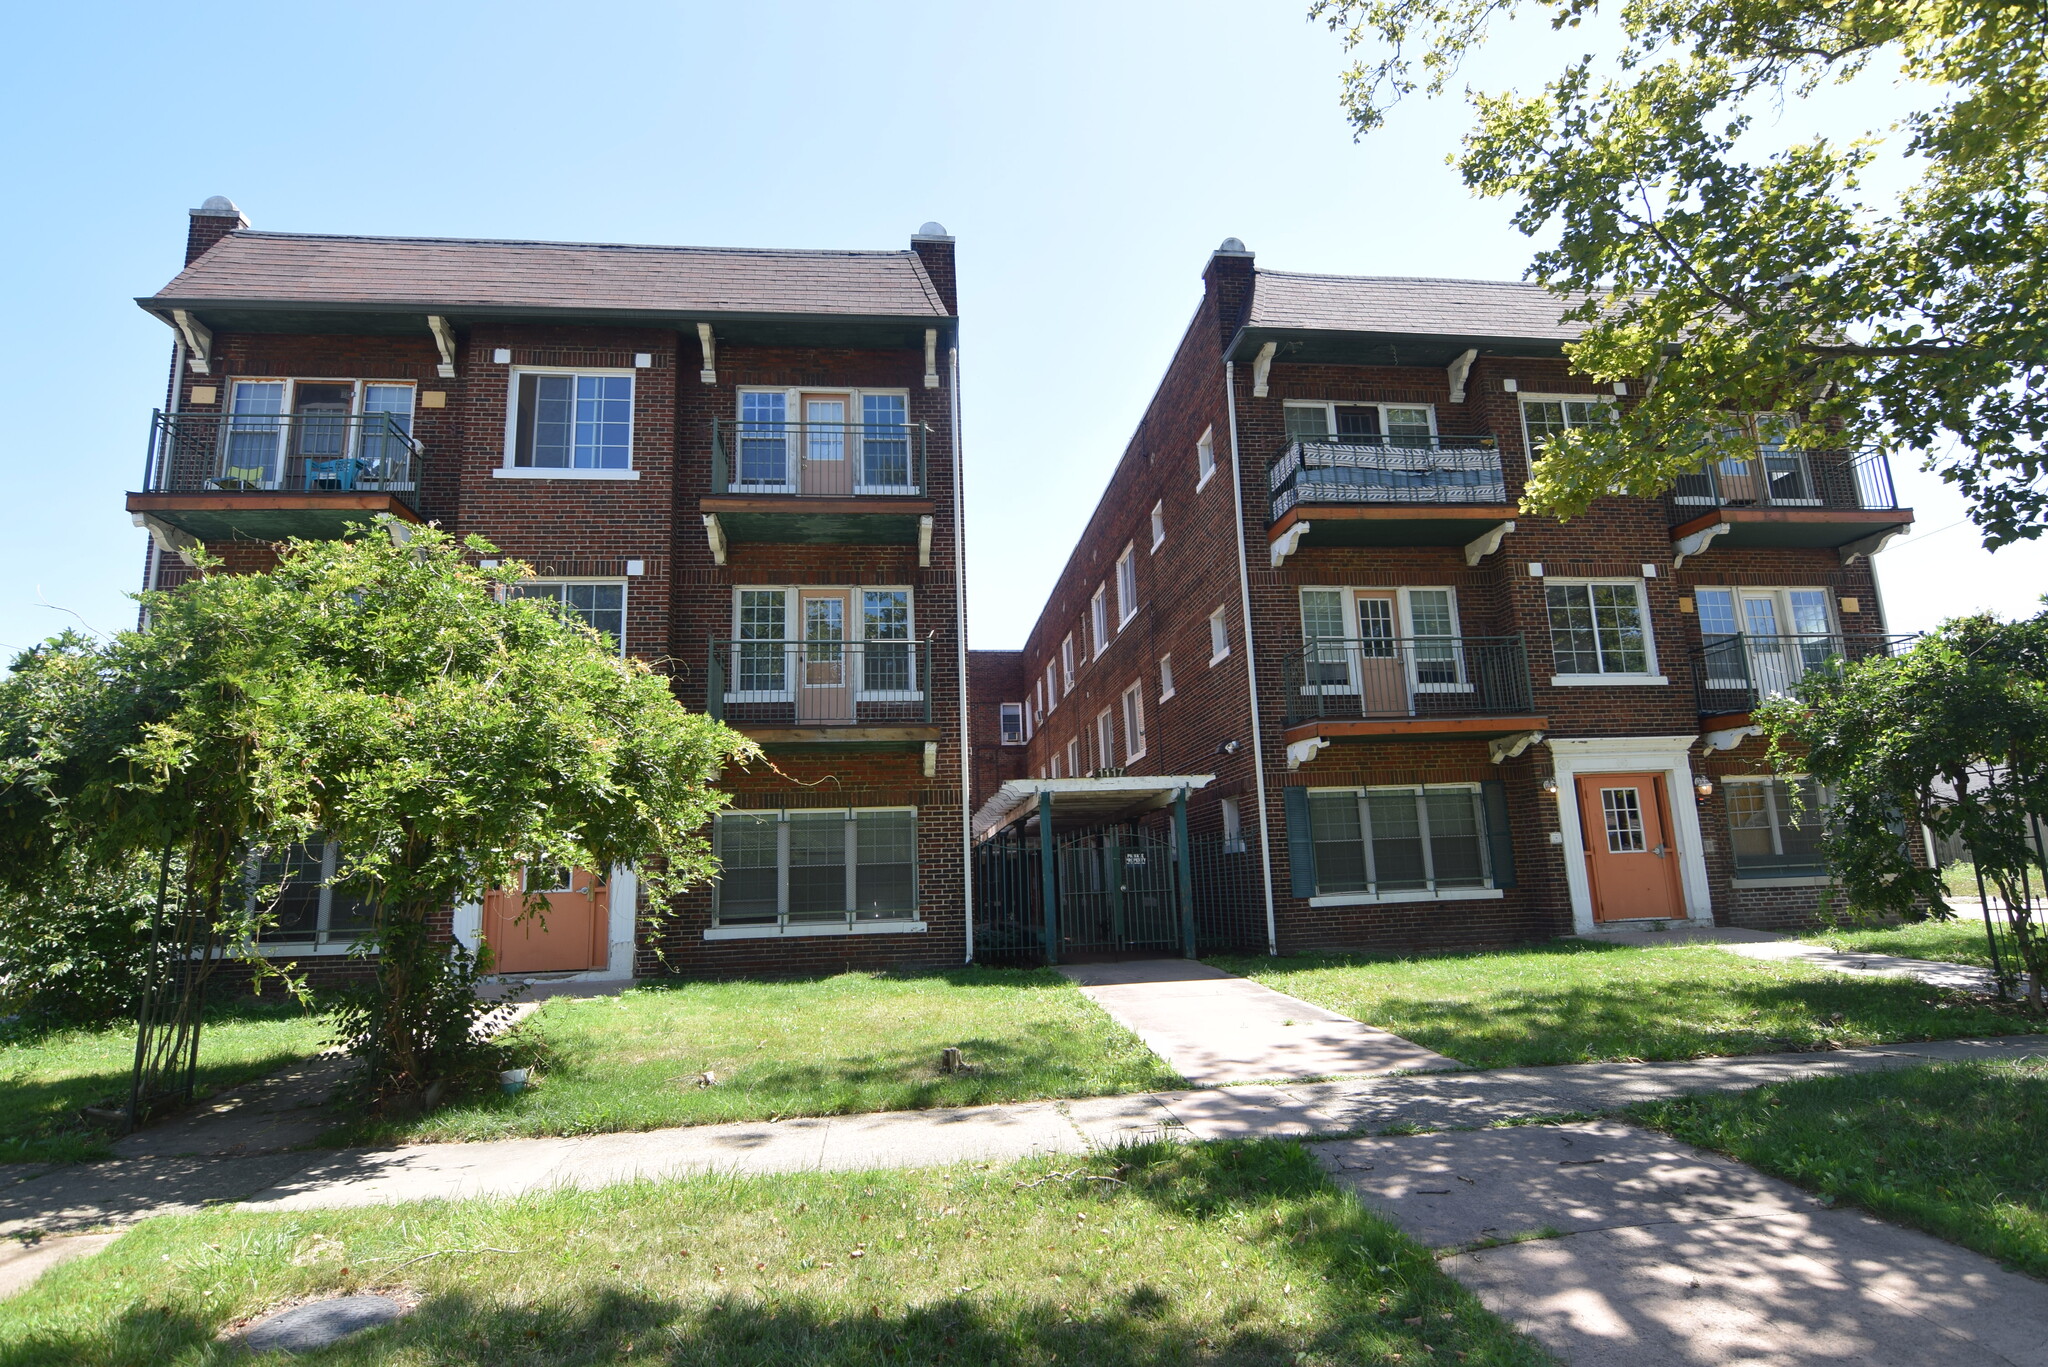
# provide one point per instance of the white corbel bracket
(1730, 737)
(1459, 370)
(198, 341)
(169, 540)
(1870, 545)
(1262, 367)
(1289, 542)
(714, 536)
(709, 345)
(444, 338)
(1511, 747)
(1686, 547)
(931, 358)
(1300, 752)
(1479, 548)
(924, 542)
(931, 759)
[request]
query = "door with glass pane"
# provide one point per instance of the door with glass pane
(1382, 675)
(824, 691)
(569, 935)
(826, 468)
(319, 440)
(1773, 666)
(1631, 860)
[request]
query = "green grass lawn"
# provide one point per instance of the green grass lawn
(1570, 1002)
(1955, 1148)
(823, 1046)
(46, 1076)
(1235, 1253)
(1957, 942)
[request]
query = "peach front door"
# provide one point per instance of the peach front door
(1631, 861)
(572, 937)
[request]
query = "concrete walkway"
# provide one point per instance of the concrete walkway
(1216, 1028)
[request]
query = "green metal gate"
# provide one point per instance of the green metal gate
(1118, 894)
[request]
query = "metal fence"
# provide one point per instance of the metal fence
(286, 452)
(1734, 673)
(820, 682)
(818, 459)
(1386, 469)
(1790, 479)
(1333, 678)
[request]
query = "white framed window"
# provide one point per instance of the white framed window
(1052, 688)
(1233, 827)
(570, 423)
(1405, 842)
(1126, 587)
(1056, 766)
(1074, 758)
(1774, 825)
(1098, 618)
(1375, 424)
(1764, 638)
(1105, 740)
(1158, 524)
(599, 604)
(1067, 662)
(1165, 677)
(1600, 631)
(294, 887)
(805, 868)
(1012, 723)
(1414, 628)
(317, 434)
(1205, 459)
(843, 441)
(768, 638)
(1548, 415)
(1219, 637)
(1134, 723)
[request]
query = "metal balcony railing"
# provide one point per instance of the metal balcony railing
(1386, 469)
(818, 459)
(1781, 478)
(1734, 673)
(208, 453)
(820, 683)
(1390, 677)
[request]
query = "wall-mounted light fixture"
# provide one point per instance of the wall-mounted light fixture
(1229, 747)
(1704, 786)
(1549, 786)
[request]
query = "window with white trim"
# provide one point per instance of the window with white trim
(1067, 662)
(791, 868)
(1219, 637)
(1205, 458)
(1105, 740)
(1599, 628)
(1052, 688)
(1165, 677)
(1356, 625)
(1098, 617)
(1158, 524)
(1134, 723)
(294, 889)
(1427, 839)
(1074, 758)
(1233, 827)
(1547, 417)
(1774, 825)
(1126, 587)
(766, 636)
(569, 421)
(1764, 638)
(598, 605)
(1365, 423)
(1012, 723)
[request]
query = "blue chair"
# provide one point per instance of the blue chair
(340, 469)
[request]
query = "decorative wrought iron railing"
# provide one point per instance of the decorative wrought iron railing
(818, 459)
(1391, 677)
(1781, 478)
(1734, 673)
(820, 683)
(1386, 469)
(209, 453)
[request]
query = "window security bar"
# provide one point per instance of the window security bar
(818, 459)
(1344, 678)
(820, 682)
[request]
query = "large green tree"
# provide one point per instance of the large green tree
(383, 693)
(1743, 281)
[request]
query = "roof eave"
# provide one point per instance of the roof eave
(161, 305)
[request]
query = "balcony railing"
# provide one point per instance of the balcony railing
(1391, 677)
(818, 459)
(1732, 674)
(211, 453)
(1779, 478)
(1386, 469)
(820, 683)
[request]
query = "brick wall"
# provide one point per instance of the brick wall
(994, 677)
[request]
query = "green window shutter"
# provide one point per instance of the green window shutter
(1301, 843)
(1500, 841)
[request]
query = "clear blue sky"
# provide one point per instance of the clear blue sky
(1087, 156)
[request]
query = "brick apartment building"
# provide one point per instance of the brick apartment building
(742, 464)
(1423, 717)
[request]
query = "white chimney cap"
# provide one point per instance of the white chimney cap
(933, 228)
(218, 206)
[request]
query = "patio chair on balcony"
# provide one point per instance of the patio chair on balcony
(340, 470)
(238, 478)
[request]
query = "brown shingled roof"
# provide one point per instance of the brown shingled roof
(457, 273)
(1416, 307)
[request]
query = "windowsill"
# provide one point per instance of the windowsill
(1125, 621)
(1608, 681)
(548, 472)
(1765, 880)
(1133, 759)
(1167, 696)
(301, 951)
(1203, 482)
(1367, 899)
(805, 931)
(1215, 660)
(1157, 544)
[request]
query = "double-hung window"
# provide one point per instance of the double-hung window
(887, 664)
(1134, 722)
(1219, 637)
(760, 652)
(1105, 740)
(1158, 524)
(1205, 459)
(1067, 662)
(293, 889)
(1599, 630)
(1361, 424)
(1165, 677)
(761, 452)
(1403, 841)
(1126, 588)
(1012, 723)
(599, 606)
(797, 869)
(566, 421)
(1774, 826)
(1074, 758)
(1544, 418)
(1098, 617)
(885, 445)
(1052, 688)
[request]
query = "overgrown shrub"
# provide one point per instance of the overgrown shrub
(75, 949)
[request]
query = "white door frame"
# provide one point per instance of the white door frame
(1670, 756)
(620, 931)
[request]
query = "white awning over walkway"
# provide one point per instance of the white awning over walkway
(1081, 802)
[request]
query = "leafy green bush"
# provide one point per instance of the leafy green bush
(75, 949)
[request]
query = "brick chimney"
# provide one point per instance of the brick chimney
(1228, 284)
(211, 222)
(935, 248)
